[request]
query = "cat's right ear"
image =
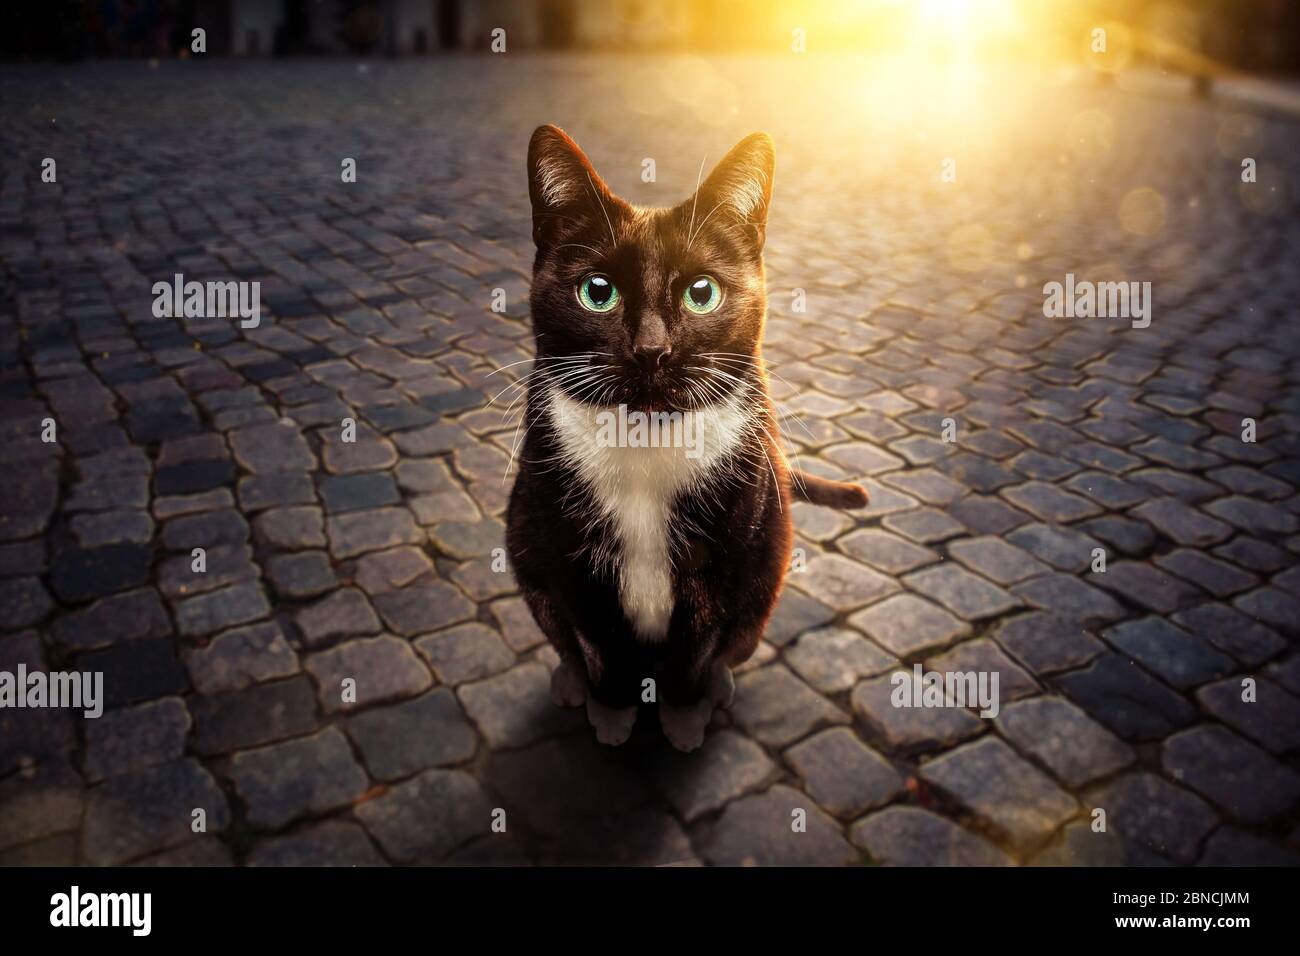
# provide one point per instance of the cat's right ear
(563, 184)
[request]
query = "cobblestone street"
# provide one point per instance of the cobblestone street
(373, 560)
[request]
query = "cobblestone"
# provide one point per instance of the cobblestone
(1071, 436)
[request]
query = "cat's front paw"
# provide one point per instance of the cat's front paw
(684, 726)
(613, 727)
(569, 684)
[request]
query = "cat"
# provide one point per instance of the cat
(651, 563)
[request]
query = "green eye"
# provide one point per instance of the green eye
(597, 293)
(703, 295)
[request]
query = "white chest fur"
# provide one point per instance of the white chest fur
(636, 488)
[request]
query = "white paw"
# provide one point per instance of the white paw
(722, 686)
(568, 684)
(684, 726)
(613, 727)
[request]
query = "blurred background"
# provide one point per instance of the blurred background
(1258, 35)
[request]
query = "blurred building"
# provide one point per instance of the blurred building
(1255, 35)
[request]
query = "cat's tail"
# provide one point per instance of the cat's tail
(823, 491)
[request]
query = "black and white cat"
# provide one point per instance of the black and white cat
(651, 562)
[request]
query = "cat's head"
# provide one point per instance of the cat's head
(658, 309)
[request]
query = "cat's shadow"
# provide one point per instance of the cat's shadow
(573, 800)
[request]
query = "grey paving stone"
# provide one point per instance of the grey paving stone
(909, 728)
(1228, 846)
(1080, 845)
(1148, 586)
(331, 843)
(310, 775)
(291, 529)
(466, 652)
(1231, 773)
(1177, 656)
(1119, 694)
(911, 836)
(1272, 607)
(427, 817)
(968, 596)
(995, 559)
(1008, 793)
(210, 529)
(273, 447)
(516, 624)
(760, 831)
(843, 776)
(304, 574)
(402, 739)
(1267, 714)
(1121, 534)
(150, 810)
(379, 668)
(1254, 554)
(40, 800)
(833, 659)
(420, 608)
(1183, 524)
(987, 515)
(727, 766)
(842, 584)
(342, 493)
(218, 610)
(926, 526)
(375, 529)
(1151, 812)
(886, 552)
(344, 613)
(240, 657)
(383, 571)
(927, 484)
(1217, 577)
(982, 656)
(1062, 738)
(468, 540)
(113, 527)
(253, 716)
(132, 738)
(1253, 517)
(1064, 549)
(514, 709)
(795, 613)
(1049, 503)
(277, 489)
(80, 575)
(1107, 490)
(185, 575)
(777, 708)
(1048, 643)
(1069, 598)
(132, 615)
(1231, 631)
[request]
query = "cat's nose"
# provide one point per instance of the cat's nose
(652, 356)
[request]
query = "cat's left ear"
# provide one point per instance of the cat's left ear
(739, 189)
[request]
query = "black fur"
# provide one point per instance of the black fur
(734, 536)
